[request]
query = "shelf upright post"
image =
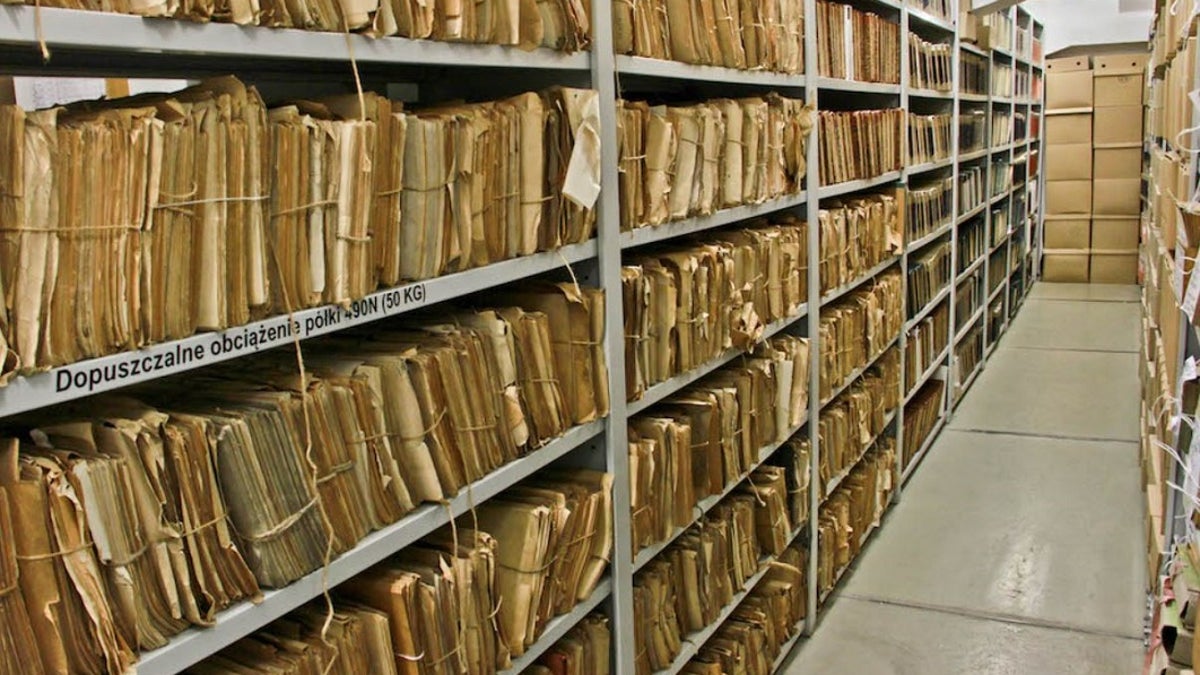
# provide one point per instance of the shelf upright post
(1006, 204)
(905, 83)
(1009, 239)
(813, 208)
(948, 396)
(1040, 218)
(988, 224)
(1036, 243)
(956, 76)
(615, 445)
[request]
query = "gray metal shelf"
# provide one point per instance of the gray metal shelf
(925, 377)
(996, 292)
(921, 242)
(927, 19)
(928, 308)
(972, 213)
(928, 166)
(966, 327)
(835, 84)
(973, 155)
(971, 269)
(931, 93)
(205, 349)
(157, 40)
(838, 189)
(647, 67)
(681, 228)
(868, 276)
(969, 47)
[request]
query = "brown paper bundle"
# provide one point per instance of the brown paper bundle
(21, 653)
(99, 303)
(584, 651)
(29, 203)
(69, 608)
(321, 208)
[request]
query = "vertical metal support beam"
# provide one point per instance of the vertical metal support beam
(957, 75)
(1040, 223)
(615, 444)
(813, 207)
(952, 374)
(905, 81)
(988, 225)
(1038, 242)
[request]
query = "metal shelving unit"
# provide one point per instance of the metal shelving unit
(111, 44)
(1180, 434)
(680, 228)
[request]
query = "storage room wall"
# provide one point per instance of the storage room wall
(1086, 22)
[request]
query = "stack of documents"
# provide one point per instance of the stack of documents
(860, 144)
(707, 437)
(685, 587)
(764, 35)
(930, 207)
(857, 234)
(920, 415)
(750, 641)
(688, 304)
(857, 328)
(928, 273)
(438, 596)
(554, 535)
(794, 458)
(926, 341)
(556, 24)
(255, 476)
(930, 64)
(586, 650)
(852, 511)
(856, 45)
(852, 422)
(145, 219)
(929, 137)
(690, 160)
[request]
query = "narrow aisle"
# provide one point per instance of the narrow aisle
(1017, 546)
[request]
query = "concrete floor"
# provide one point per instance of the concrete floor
(1017, 547)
